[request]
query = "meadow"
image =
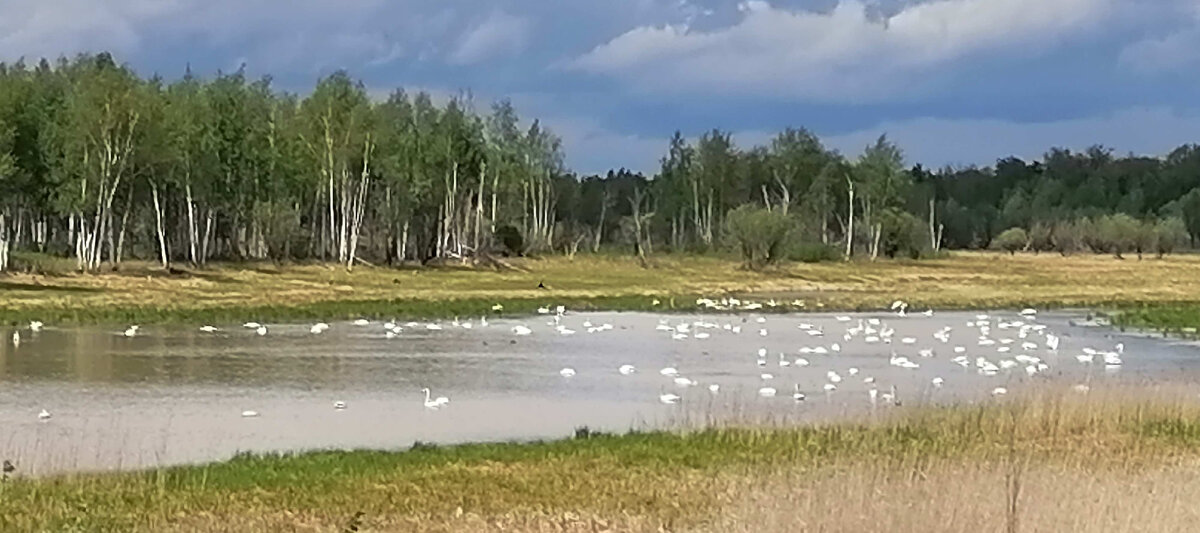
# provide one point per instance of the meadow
(1111, 460)
(229, 293)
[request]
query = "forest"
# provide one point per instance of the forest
(99, 164)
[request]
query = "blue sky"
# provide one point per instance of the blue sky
(952, 81)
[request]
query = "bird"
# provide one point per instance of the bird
(521, 330)
(830, 387)
(434, 403)
(249, 414)
(999, 391)
(362, 322)
(498, 307)
(262, 330)
(937, 382)
(541, 285)
(767, 392)
(668, 398)
(131, 331)
(16, 339)
(797, 395)
(567, 372)
(626, 370)
(714, 388)
(9, 468)
(669, 371)
(44, 415)
(318, 328)
(339, 405)
(208, 329)
(251, 325)
(36, 325)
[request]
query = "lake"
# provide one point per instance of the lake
(170, 395)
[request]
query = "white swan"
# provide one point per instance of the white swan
(669, 371)
(567, 372)
(262, 330)
(362, 322)
(131, 331)
(208, 329)
(44, 415)
(251, 325)
(521, 330)
(767, 392)
(339, 405)
(668, 398)
(16, 339)
(36, 325)
(434, 403)
(249, 414)
(626, 370)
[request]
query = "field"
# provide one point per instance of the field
(1052, 461)
(228, 293)
(1110, 460)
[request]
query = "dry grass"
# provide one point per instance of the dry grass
(1053, 461)
(961, 280)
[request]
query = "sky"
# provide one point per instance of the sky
(953, 82)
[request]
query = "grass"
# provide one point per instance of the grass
(1052, 461)
(236, 292)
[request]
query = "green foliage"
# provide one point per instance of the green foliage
(903, 235)
(510, 237)
(1119, 234)
(1011, 240)
(760, 235)
(1170, 234)
(814, 252)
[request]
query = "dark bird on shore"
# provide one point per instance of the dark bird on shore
(541, 285)
(9, 468)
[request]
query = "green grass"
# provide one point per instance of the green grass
(642, 480)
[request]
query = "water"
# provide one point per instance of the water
(176, 395)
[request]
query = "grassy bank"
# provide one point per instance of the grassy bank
(230, 293)
(1108, 461)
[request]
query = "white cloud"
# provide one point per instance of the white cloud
(499, 34)
(65, 27)
(844, 54)
(936, 142)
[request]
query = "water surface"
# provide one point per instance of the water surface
(176, 395)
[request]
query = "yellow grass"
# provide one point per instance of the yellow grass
(961, 280)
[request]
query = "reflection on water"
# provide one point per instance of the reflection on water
(171, 395)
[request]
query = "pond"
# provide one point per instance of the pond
(170, 395)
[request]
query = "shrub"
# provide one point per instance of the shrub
(1118, 233)
(904, 235)
(1011, 240)
(761, 236)
(1066, 237)
(814, 252)
(1170, 234)
(511, 239)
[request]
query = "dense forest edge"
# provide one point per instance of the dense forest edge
(100, 165)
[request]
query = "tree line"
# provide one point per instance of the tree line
(100, 164)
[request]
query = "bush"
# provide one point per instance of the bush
(511, 239)
(904, 235)
(814, 252)
(1118, 233)
(1011, 240)
(1066, 237)
(1170, 234)
(40, 263)
(761, 236)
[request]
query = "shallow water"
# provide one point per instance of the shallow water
(174, 395)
